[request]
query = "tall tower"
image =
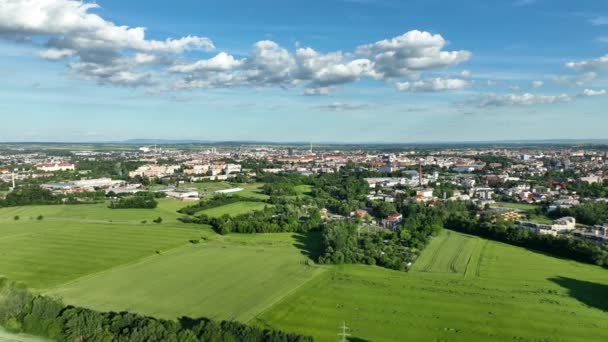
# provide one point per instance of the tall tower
(311, 148)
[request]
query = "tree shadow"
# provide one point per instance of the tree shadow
(357, 339)
(309, 244)
(592, 294)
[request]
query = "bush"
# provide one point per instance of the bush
(40, 217)
(144, 222)
(158, 220)
(16, 217)
(135, 202)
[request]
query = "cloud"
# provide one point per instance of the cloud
(598, 21)
(317, 91)
(96, 49)
(590, 65)
(537, 84)
(269, 64)
(410, 54)
(55, 54)
(526, 99)
(432, 85)
(341, 107)
(70, 31)
(465, 73)
(591, 92)
(578, 80)
(221, 62)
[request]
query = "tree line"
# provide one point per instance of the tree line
(214, 202)
(278, 218)
(142, 200)
(23, 311)
(495, 228)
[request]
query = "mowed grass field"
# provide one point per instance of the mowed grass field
(234, 209)
(464, 289)
(73, 241)
(232, 277)
(450, 252)
(93, 213)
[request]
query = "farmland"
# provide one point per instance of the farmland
(224, 278)
(502, 293)
(462, 288)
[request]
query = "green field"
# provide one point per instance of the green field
(462, 288)
(93, 213)
(251, 190)
(521, 206)
(75, 240)
(224, 278)
(478, 291)
(234, 209)
(449, 252)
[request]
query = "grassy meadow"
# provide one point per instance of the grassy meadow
(223, 278)
(234, 209)
(463, 289)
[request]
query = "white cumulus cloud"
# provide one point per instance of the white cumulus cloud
(432, 85)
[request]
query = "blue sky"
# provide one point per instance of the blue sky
(324, 71)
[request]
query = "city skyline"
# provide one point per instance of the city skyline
(350, 71)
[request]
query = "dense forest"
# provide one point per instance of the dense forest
(23, 311)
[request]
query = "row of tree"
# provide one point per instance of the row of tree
(139, 201)
(22, 311)
(492, 227)
(589, 213)
(272, 219)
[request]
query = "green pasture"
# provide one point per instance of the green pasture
(464, 289)
(520, 206)
(224, 278)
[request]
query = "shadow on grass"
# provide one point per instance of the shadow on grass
(309, 244)
(357, 339)
(592, 294)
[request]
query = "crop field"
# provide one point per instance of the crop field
(503, 293)
(224, 277)
(234, 209)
